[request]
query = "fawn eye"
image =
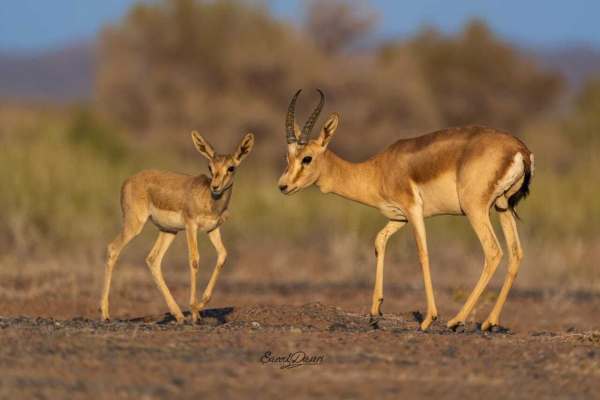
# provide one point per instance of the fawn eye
(231, 169)
(306, 160)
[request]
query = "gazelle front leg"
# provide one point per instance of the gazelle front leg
(380, 245)
(215, 239)
(419, 229)
(154, 261)
(194, 258)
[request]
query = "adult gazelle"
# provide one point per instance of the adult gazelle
(457, 171)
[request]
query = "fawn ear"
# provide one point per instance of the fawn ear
(328, 129)
(244, 148)
(202, 145)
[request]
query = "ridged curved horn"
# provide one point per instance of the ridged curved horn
(310, 123)
(289, 120)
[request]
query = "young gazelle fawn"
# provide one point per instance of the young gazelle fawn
(177, 202)
(456, 171)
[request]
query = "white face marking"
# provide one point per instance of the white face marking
(299, 174)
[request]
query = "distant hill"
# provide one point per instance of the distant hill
(66, 74)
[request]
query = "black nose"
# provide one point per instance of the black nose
(282, 187)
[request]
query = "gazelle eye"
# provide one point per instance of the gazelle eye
(306, 160)
(231, 169)
(210, 169)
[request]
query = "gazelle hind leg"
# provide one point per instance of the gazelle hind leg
(480, 220)
(131, 228)
(515, 254)
(215, 239)
(154, 261)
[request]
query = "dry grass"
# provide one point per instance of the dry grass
(60, 200)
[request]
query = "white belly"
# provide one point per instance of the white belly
(440, 196)
(173, 221)
(167, 220)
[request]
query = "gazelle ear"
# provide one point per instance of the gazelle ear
(328, 129)
(244, 148)
(202, 145)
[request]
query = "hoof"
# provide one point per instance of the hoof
(492, 328)
(105, 316)
(458, 327)
(374, 321)
(170, 318)
(426, 323)
(179, 319)
(194, 312)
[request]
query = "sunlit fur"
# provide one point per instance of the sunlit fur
(176, 202)
(457, 171)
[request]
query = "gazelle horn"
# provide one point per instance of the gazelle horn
(289, 120)
(310, 123)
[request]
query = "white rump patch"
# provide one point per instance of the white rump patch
(512, 175)
(532, 164)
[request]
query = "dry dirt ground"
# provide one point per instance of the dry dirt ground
(552, 350)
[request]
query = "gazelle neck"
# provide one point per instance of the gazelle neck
(354, 181)
(221, 204)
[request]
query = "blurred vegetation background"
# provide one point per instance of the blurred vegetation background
(229, 67)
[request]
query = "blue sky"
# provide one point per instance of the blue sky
(27, 25)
